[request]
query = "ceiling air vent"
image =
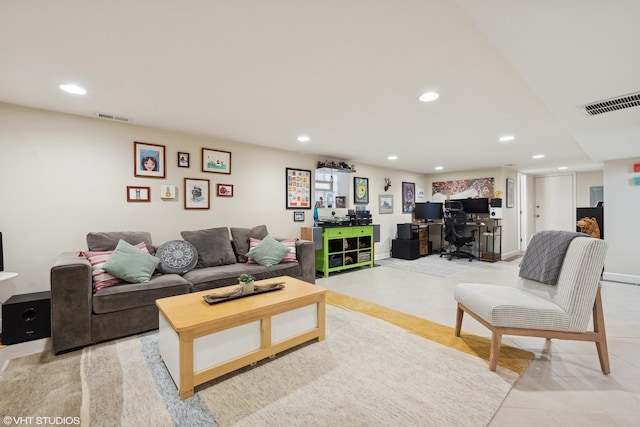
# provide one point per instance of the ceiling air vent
(613, 104)
(113, 117)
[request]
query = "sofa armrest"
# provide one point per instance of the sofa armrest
(306, 254)
(71, 302)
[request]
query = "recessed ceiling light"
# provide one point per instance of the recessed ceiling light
(439, 168)
(563, 168)
(303, 138)
(429, 96)
(538, 156)
(506, 138)
(392, 157)
(72, 88)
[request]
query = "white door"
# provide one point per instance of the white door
(523, 213)
(555, 207)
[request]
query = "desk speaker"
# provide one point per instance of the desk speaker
(26, 317)
(495, 213)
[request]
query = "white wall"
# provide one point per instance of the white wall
(584, 181)
(621, 207)
(62, 176)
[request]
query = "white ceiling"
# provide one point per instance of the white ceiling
(346, 73)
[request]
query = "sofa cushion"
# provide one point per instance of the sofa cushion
(213, 246)
(177, 256)
(125, 296)
(214, 277)
(107, 241)
(268, 252)
(100, 278)
(131, 264)
(241, 237)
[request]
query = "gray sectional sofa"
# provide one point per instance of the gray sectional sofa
(80, 316)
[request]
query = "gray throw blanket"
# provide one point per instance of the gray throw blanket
(544, 256)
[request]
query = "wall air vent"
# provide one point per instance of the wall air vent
(612, 104)
(112, 117)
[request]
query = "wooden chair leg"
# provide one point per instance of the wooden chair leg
(459, 315)
(494, 352)
(601, 340)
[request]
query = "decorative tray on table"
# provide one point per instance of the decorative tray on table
(236, 293)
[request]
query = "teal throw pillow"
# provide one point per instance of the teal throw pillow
(268, 252)
(130, 263)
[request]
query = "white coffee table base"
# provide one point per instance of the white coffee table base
(216, 347)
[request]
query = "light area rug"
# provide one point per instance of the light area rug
(510, 358)
(367, 372)
(432, 265)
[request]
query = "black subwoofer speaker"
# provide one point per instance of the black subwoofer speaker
(26, 317)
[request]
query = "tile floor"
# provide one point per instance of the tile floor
(563, 385)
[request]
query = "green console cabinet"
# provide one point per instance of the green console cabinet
(344, 248)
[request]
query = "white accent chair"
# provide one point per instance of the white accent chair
(539, 310)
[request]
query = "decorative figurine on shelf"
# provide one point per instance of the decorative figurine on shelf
(387, 183)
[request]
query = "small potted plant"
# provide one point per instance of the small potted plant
(246, 281)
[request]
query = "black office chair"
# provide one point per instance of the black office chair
(455, 226)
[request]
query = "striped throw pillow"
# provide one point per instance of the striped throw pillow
(102, 279)
(289, 257)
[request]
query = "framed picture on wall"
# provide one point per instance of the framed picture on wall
(298, 216)
(196, 193)
(510, 192)
(360, 190)
(167, 191)
(298, 188)
(408, 197)
(183, 160)
(224, 190)
(386, 203)
(138, 194)
(216, 161)
(148, 160)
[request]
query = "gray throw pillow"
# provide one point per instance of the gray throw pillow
(213, 246)
(241, 239)
(130, 263)
(107, 241)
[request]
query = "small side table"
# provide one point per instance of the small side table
(6, 275)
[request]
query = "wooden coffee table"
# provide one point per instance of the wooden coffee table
(199, 342)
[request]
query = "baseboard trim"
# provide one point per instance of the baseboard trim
(622, 278)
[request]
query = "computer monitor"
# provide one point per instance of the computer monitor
(434, 211)
(428, 211)
(420, 212)
(475, 206)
